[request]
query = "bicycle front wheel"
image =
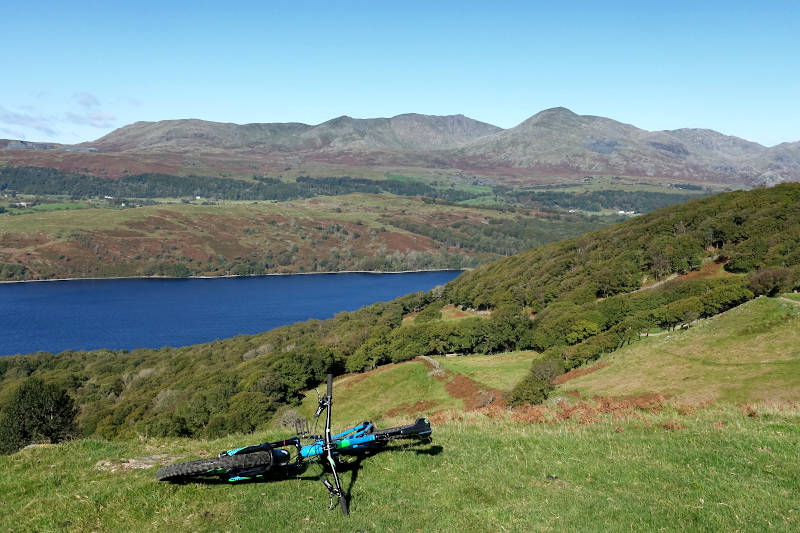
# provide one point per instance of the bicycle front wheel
(215, 467)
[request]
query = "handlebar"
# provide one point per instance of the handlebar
(325, 401)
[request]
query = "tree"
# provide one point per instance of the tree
(36, 412)
(772, 281)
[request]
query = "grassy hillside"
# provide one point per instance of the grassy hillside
(500, 371)
(748, 354)
(331, 233)
(716, 469)
(390, 391)
(413, 389)
(629, 460)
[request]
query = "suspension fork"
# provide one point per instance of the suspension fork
(337, 490)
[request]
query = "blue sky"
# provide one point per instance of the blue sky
(73, 71)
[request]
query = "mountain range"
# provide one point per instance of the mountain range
(552, 144)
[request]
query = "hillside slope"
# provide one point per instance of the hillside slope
(575, 301)
(716, 470)
(558, 141)
(749, 354)
(711, 467)
(324, 234)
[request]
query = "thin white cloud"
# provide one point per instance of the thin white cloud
(87, 100)
(13, 134)
(96, 119)
(26, 120)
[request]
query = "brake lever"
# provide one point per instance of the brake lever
(320, 404)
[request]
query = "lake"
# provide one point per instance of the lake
(55, 316)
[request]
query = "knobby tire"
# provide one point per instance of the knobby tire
(208, 467)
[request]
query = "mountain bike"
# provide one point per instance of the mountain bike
(255, 462)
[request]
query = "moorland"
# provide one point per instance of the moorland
(78, 226)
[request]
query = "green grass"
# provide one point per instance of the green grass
(748, 354)
(501, 371)
(61, 206)
(483, 201)
(390, 388)
(722, 471)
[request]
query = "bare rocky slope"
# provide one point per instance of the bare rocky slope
(552, 143)
(558, 141)
(409, 132)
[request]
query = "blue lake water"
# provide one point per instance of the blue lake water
(151, 313)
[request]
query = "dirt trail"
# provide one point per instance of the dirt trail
(658, 283)
(473, 394)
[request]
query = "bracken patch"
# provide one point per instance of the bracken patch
(576, 373)
(411, 409)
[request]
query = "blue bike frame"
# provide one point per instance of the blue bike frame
(358, 439)
(353, 440)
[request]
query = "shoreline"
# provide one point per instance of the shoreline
(235, 276)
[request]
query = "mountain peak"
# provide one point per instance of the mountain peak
(552, 116)
(556, 111)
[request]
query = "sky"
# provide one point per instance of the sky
(74, 71)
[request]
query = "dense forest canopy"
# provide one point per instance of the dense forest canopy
(573, 301)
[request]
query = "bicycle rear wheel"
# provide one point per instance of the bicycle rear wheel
(215, 467)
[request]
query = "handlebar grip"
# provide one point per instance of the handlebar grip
(330, 385)
(343, 503)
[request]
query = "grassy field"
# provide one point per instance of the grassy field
(713, 470)
(748, 354)
(404, 389)
(792, 296)
(58, 206)
(450, 312)
(501, 371)
(409, 389)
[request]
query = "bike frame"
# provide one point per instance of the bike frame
(358, 439)
(355, 439)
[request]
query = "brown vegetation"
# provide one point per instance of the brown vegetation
(577, 372)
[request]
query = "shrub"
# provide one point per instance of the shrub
(36, 412)
(548, 367)
(772, 281)
(429, 314)
(529, 390)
